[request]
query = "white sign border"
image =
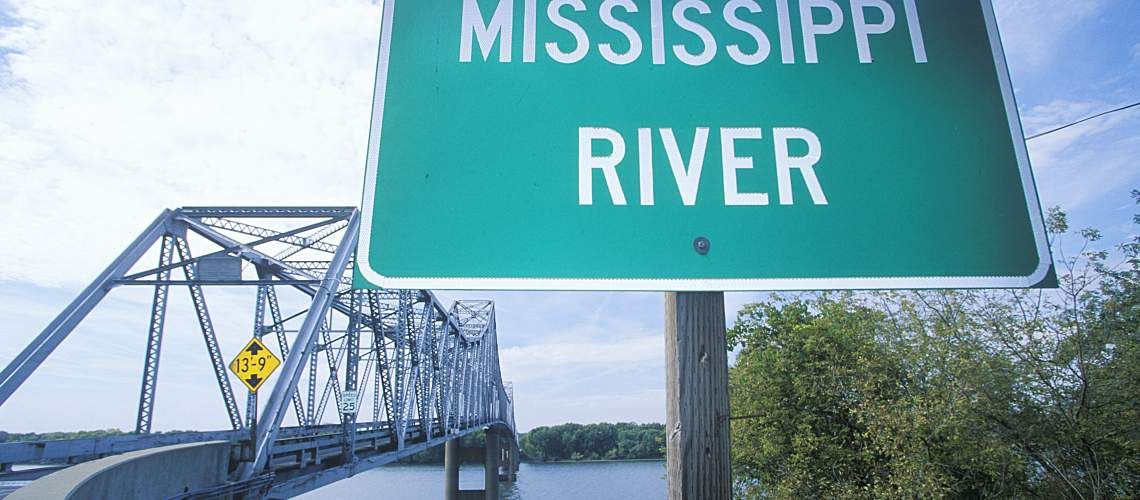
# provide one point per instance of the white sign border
(1044, 256)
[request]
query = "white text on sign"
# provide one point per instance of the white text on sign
(691, 16)
(687, 173)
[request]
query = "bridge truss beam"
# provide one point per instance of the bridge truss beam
(433, 371)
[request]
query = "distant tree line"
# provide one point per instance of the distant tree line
(569, 442)
(602, 441)
(18, 437)
(947, 394)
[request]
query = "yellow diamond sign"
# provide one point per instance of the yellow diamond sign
(254, 364)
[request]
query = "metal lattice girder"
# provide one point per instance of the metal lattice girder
(209, 337)
(451, 359)
(421, 366)
(267, 212)
(308, 265)
(315, 239)
(369, 364)
(433, 376)
(399, 419)
(383, 373)
(283, 343)
(250, 410)
(154, 339)
(291, 237)
(258, 331)
(332, 384)
(288, 237)
(311, 416)
(351, 366)
(302, 348)
(279, 267)
(259, 311)
(436, 369)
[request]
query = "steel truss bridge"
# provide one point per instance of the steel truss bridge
(424, 373)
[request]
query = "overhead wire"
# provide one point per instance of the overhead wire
(1082, 120)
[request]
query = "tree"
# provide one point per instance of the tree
(838, 405)
(601, 441)
(969, 394)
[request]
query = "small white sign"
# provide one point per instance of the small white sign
(348, 402)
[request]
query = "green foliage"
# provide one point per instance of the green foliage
(961, 394)
(6, 437)
(604, 441)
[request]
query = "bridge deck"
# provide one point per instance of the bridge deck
(303, 459)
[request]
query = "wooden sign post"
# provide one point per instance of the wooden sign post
(696, 394)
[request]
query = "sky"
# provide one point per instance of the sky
(111, 111)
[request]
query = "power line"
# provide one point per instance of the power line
(1078, 122)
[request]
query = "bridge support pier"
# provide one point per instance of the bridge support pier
(509, 464)
(491, 466)
(451, 460)
(500, 463)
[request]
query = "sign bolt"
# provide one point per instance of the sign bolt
(701, 245)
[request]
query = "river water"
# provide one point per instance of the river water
(619, 480)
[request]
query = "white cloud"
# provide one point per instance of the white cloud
(1082, 163)
(92, 379)
(637, 406)
(527, 363)
(114, 110)
(1032, 30)
(557, 382)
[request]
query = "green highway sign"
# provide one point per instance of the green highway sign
(696, 145)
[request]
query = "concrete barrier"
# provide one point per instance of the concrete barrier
(145, 474)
